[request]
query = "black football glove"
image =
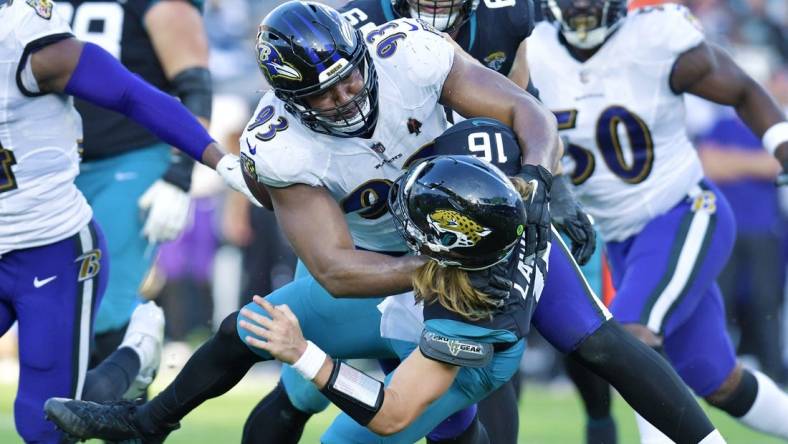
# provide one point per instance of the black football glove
(495, 281)
(537, 208)
(572, 220)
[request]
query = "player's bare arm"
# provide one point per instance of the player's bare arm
(475, 91)
(315, 226)
(179, 39)
(402, 403)
(708, 71)
(520, 74)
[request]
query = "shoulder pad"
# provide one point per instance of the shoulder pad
(459, 352)
(278, 150)
(665, 31)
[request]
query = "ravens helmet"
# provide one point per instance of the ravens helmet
(585, 24)
(458, 210)
(304, 49)
(444, 15)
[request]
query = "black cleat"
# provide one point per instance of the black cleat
(110, 420)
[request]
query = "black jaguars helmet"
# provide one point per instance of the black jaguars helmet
(444, 15)
(304, 49)
(585, 24)
(458, 210)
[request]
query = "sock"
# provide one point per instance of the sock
(768, 411)
(601, 431)
(112, 377)
(650, 434)
(646, 381)
(713, 438)
(275, 419)
(213, 369)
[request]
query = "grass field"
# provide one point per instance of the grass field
(547, 416)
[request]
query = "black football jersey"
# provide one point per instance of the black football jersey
(491, 35)
(118, 27)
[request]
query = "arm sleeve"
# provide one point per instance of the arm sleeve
(100, 79)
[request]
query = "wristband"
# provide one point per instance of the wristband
(774, 136)
(354, 392)
(310, 362)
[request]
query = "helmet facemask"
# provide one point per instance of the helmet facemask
(585, 24)
(351, 119)
(304, 49)
(443, 15)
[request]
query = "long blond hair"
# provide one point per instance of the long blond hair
(451, 287)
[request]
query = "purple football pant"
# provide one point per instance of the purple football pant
(53, 291)
(665, 280)
(568, 311)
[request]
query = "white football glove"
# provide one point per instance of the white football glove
(168, 211)
(229, 167)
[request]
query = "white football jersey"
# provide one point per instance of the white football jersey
(39, 134)
(358, 172)
(631, 157)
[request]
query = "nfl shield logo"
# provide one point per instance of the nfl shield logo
(378, 148)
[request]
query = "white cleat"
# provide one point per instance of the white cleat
(145, 335)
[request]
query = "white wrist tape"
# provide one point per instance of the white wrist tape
(774, 136)
(310, 362)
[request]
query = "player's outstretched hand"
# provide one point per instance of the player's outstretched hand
(537, 209)
(280, 330)
(167, 207)
(567, 215)
(494, 281)
(229, 167)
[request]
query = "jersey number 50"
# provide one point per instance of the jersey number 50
(633, 167)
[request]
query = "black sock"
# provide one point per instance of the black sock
(498, 412)
(646, 381)
(275, 419)
(738, 403)
(213, 369)
(112, 377)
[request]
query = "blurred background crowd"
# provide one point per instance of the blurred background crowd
(233, 250)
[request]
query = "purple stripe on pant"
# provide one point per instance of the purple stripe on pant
(53, 291)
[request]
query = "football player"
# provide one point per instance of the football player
(493, 32)
(123, 163)
(327, 143)
(471, 338)
(616, 83)
(54, 266)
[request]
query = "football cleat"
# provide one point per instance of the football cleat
(109, 420)
(145, 335)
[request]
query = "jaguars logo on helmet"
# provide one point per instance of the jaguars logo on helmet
(455, 229)
(271, 62)
(458, 210)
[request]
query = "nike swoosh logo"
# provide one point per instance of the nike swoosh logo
(41, 283)
(535, 184)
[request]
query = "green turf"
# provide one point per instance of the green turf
(549, 416)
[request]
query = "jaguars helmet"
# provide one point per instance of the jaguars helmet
(458, 210)
(585, 24)
(444, 15)
(305, 48)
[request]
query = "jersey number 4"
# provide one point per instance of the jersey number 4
(632, 166)
(7, 179)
